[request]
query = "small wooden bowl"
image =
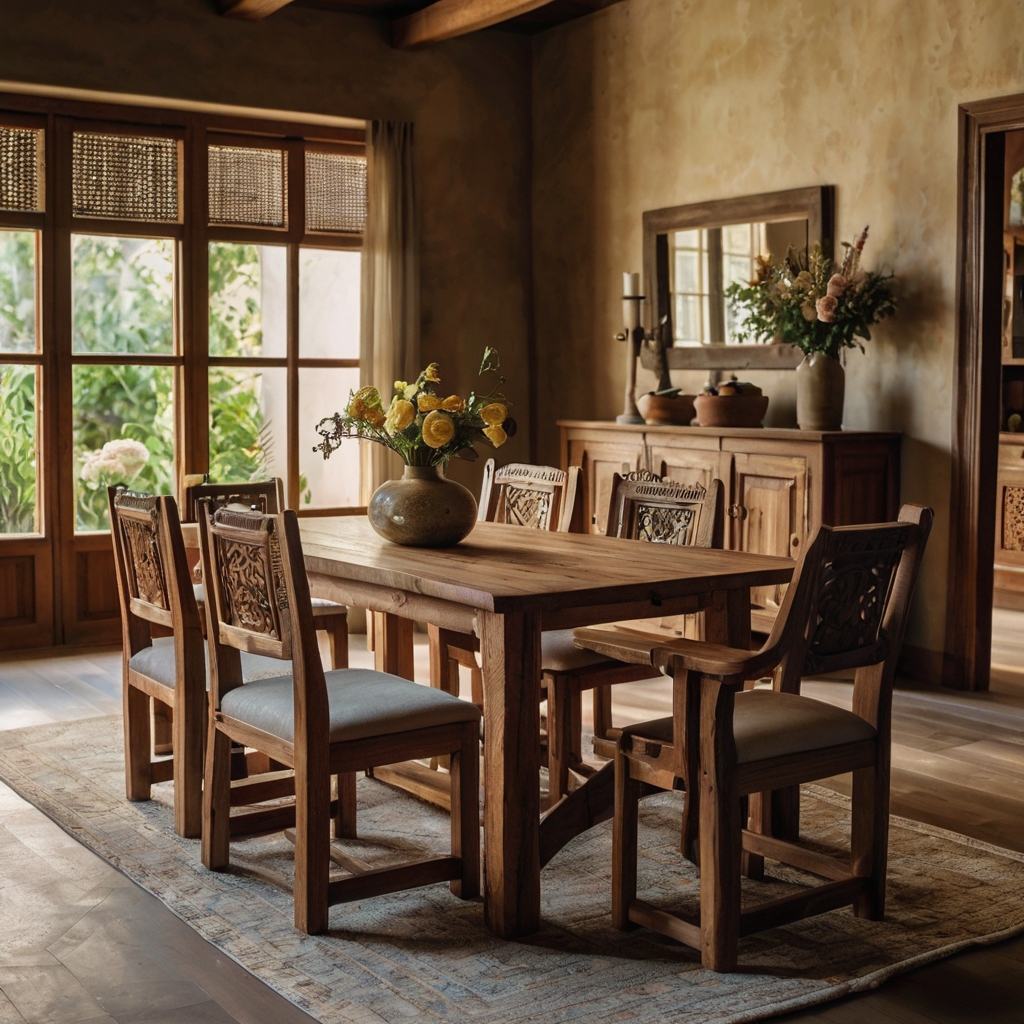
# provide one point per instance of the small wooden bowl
(731, 410)
(659, 409)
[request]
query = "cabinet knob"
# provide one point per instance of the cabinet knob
(794, 542)
(737, 512)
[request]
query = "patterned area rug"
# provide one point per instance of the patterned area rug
(424, 955)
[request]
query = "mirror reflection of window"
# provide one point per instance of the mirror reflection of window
(1017, 198)
(705, 261)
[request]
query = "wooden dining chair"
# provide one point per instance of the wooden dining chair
(846, 608)
(318, 724)
(643, 507)
(268, 496)
(537, 497)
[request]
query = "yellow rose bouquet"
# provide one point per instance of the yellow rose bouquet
(421, 423)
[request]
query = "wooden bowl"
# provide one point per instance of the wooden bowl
(731, 410)
(659, 409)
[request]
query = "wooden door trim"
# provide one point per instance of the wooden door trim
(976, 383)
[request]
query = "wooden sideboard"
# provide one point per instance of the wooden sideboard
(1009, 567)
(780, 485)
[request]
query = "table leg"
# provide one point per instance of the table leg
(392, 645)
(510, 650)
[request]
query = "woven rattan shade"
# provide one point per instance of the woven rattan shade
(21, 169)
(248, 186)
(335, 192)
(125, 177)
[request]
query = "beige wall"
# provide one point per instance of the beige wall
(655, 103)
(468, 98)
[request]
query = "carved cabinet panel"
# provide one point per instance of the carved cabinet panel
(1009, 560)
(600, 460)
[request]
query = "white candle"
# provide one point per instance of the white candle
(630, 284)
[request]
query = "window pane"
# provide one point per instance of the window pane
(737, 268)
(17, 291)
(123, 420)
(248, 300)
(736, 238)
(688, 239)
(329, 304)
(19, 450)
(124, 177)
(247, 423)
(21, 169)
(687, 276)
(688, 319)
(122, 294)
(248, 186)
(333, 482)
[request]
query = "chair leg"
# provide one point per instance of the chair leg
(869, 845)
(337, 635)
(163, 738)
(565, 747)
(137, 740)
(312, 842)
(444, 669)
(602, 711)
(215, 847)
(758, 820)
(785, 813)
(721, 837)
(189, 728)
(345, 819)
(465, 773)
(624, 841)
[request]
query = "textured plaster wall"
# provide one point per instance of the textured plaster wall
(655, 103)
(469, 99)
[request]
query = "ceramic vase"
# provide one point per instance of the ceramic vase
(820, 388)
(423, 509)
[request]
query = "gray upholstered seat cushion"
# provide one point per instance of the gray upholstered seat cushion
(558, 653)
(157, 663)
(769, 724)
(363, 703)
(320, 604)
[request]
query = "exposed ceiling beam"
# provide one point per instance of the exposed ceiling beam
(448, 18)
(251, 10)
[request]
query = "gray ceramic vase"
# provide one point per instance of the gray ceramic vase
(424, 509)
(820, 389)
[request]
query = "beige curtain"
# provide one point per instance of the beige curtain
(390, 309)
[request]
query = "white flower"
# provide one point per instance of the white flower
(119, 460)
(837, 284)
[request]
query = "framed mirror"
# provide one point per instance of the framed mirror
(693, 253)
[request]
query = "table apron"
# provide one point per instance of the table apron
(420, 607)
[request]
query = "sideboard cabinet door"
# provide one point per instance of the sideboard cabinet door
(768, 516)
(600, 461)
(688, 464)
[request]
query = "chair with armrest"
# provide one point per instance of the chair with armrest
(268, 496)
(318, 724)
(846, 608)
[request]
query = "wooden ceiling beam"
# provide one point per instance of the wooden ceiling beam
(446, 19)
(251, 10)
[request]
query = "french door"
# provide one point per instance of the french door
(176, 298)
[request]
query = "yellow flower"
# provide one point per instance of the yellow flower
(496, 434)
(400, 415)
(428, 402)
(362, 402)
(430, 373)
(438, 429)
(494, 414)
(356, 409)
(406, 391)
(375, 417)
(368, 396)
(454, 404)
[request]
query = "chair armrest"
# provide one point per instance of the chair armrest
(687, 655)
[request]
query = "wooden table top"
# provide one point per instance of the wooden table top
(504, 569)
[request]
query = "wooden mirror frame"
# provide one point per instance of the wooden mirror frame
(817, 204)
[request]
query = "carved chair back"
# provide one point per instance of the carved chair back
(646, 507)
(266, 495)
(151, 567)
(848, 603)
(538, 497)
(258, 598)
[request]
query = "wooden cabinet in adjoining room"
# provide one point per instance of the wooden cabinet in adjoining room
(1009, 562)
(780, 485)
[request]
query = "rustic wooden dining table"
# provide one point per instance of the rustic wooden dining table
(506, 584)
